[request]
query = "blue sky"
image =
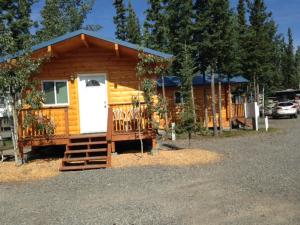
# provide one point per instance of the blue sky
(285, 12)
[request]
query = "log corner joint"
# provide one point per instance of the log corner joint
(51, 51)
(117, 50)
(83, 39)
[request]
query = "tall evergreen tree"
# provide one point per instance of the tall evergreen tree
(133, 29)
(212, 28)
(188, 118)
(120, 19)
(15, 19)
(52, 21)
(201, 61)
(231, 63)
(179, 25)
(259, 45)
(289, 69)
(60, 17)
(242, 34)
(297, 61)
(155, 28)
(277, 80)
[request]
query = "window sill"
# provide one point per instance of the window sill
(55, 106)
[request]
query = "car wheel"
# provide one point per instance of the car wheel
(295, 116)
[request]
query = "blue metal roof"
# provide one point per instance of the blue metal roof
(174, 81)
(95, 35)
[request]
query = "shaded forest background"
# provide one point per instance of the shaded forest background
(239, 40)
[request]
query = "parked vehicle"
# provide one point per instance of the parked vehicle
(297, 101)
(285, 109)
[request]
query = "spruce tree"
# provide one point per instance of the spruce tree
(200, 8)
(241, 28)
(15, 19)
(231, 62)
(259, 44)
(60, 17)
(52, 23)
(120, 19)
(212, 29)
(179, 25)
(289, 69)
(188, 118)
(277, 80)
(297, 62)
(155, 28)
(133, 30)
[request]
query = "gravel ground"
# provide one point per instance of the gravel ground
(258, 182)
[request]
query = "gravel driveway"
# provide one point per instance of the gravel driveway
(258, 182)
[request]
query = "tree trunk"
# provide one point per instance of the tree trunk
(205, 102)
(165, 101)
(193, 104)
(220, 106)
(14, 132)
(254, 87)
(230, 103)
(213, 102)
(257, 93)
(263, 102)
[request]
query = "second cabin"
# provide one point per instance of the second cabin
(232, 95)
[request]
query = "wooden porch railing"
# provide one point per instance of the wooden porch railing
(238, 110)
(126, 118)
(57, 117)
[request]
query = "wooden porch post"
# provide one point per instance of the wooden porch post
(20, 135)
(67, 121)
(110, 143)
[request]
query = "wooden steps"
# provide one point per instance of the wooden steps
(84, 152)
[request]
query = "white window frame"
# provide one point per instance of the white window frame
(55, 99)
(181, 98)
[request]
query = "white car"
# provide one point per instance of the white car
(284, 109)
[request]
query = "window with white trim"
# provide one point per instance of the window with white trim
(56, 92)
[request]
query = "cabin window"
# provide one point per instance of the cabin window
(178, 97)
(56, 92)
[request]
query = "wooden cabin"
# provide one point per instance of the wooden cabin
(231, 111)
(89, 83)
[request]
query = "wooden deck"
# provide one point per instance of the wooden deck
(87, 151)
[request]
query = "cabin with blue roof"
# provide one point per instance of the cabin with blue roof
(232, 106)
(88, 82)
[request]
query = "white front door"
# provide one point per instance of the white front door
(92, 103)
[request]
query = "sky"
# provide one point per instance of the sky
(286, 13)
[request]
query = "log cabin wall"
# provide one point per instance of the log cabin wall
(122, 82)
(175, 109)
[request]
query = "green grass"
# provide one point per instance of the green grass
(229, 134)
